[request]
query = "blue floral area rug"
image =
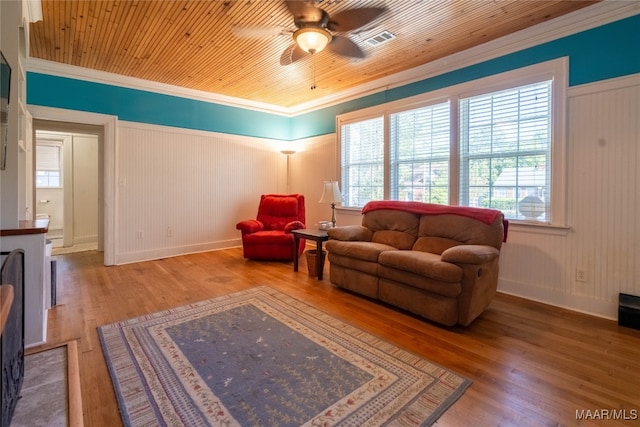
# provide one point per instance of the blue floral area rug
(261, 358)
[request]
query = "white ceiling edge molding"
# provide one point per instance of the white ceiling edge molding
(80, 73)
(593, 16)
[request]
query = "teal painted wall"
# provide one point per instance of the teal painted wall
(154, 108)
(601, 53)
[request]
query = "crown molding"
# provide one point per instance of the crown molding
(590, 17)
(103, 77)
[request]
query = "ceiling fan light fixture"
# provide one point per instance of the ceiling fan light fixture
(312, 39)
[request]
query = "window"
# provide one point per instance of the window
(363, 161)
(493, 143)
(419, 158)
(48, 166)
(505, 147)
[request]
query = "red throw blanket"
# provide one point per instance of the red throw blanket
(488, 216)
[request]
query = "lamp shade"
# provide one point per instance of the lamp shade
(312, 39)
(331, 193)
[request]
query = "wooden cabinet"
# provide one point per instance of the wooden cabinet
(30, 237)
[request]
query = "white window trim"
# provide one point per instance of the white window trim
(556, 69)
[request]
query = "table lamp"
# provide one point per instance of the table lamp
(331, 194)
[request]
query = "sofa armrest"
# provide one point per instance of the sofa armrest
(470, 254)
(355, 233)
(294, 225)
(250, 226)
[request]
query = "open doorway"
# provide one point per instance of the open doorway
(67, 175)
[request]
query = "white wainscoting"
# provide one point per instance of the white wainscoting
(603, 204)
(181, 191)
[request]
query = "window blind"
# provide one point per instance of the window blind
(419, 154)
(505, 147)
(48, 157)
(362, 161)
(48, 166)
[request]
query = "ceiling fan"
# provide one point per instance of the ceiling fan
(315, 27)
(315, 30)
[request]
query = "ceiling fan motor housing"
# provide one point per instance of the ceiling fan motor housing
(318, 19)
(312, 39)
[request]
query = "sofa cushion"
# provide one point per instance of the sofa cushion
(293, 225)
(470, 254)
(419, 282)
(438, 233)
(392, 227)
(250, 226)
(350, 232)
(270, 237)
(366, 251)
(422, 263)
(354, 265)
(275, 212)
(434, 244)
(434, 306)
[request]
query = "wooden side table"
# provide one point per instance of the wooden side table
(318, 236)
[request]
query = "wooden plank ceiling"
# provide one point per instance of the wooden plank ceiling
(233, 47)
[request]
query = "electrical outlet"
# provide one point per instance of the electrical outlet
(140, 234)
(581, 275)
(169, 232)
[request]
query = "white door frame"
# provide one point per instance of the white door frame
(110, 125)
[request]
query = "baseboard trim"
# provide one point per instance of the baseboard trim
(574, 302)
(149, 255)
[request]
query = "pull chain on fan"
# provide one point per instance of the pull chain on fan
(313, 71)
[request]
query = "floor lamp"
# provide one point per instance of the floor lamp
(288, 153)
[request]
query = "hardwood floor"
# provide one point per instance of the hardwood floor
(531, 364)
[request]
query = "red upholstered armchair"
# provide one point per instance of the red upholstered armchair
(269, 236)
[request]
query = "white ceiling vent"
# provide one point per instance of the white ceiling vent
(378, 39)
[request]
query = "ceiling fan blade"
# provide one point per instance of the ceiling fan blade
(291, 54)
(303, 12)
(350, 19)
(344, 46)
